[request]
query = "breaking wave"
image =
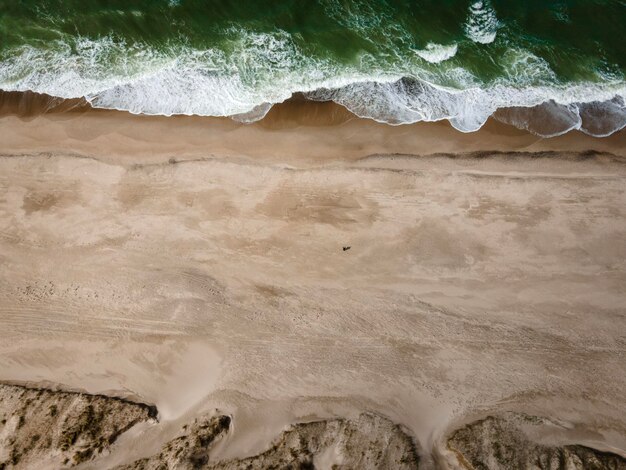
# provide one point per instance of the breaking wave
(256, 70)
(482, 23)
(435, 53)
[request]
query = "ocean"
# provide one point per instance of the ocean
(545, 66)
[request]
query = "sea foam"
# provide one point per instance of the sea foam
(435, 53)
(262, 69)
(482, 24)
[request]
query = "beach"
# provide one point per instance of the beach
(314, 266)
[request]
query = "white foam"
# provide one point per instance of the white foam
(601, 119)
(547, 119)
(526, 69)
(482, 24)
(435, 53)
(262, 69)
(598, 119)
(409, 101)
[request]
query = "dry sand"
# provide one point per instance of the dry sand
(197, 264)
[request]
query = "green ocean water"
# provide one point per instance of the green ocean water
(394, 61)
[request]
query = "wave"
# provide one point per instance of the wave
(550, 119)
(435, 53)
(262, 69)
(545, 111)
(482, 24)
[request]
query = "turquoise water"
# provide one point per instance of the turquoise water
(553, 65)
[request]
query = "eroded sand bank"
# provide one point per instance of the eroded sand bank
(206, 279)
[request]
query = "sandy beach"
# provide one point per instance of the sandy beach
(314, 266)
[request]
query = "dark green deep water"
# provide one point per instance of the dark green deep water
(395, 61)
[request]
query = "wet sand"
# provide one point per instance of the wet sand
(198, 264)
(296, 133)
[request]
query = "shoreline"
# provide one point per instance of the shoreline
(296, 133)
(197, 263)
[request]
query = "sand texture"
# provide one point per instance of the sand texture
(69, 429)
(507, 441)
(54, 429)
(209, 273)
(368, 442)
(188, 451)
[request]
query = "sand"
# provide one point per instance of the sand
(296, 133)
(197, 264)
